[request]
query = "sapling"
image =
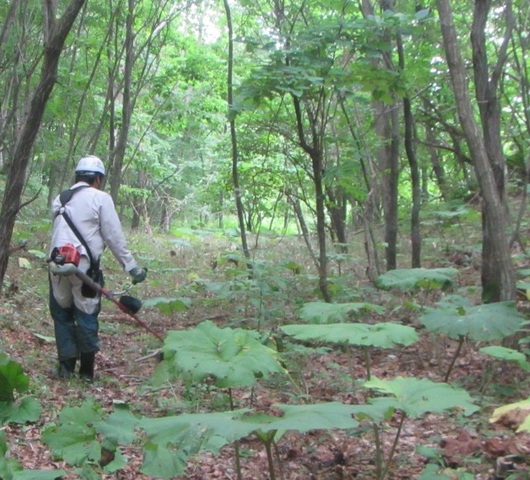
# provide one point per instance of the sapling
(363, 335)
(459, 320)
(408, 397)
(414, 280)
(232, 358)
(504, 354)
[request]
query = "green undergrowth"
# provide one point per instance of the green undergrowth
(264, 332)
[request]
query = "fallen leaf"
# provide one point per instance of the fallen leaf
(457, 448)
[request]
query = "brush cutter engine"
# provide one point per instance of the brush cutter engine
(64, 260)
(66, 254)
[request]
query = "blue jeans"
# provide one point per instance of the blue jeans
(76, 332)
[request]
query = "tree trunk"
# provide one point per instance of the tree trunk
(486, 90)
(302, 226)
(165, 217)
(336, 206)
(18, 76)
(8, 21)
(119, 152)
(387, 128)
(137, 206)
(56, 33)
(320, 205)
(415, 233)
(389, 164)
(370, 213)
(315, 152)
(373, 269)
(498, 277)
(437, 166)
(233, 134)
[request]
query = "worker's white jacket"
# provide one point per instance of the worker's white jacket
(93, 213)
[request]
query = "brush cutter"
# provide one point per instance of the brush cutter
(65, 263)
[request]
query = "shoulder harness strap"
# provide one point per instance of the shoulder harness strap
(67, 195)
(64, 198)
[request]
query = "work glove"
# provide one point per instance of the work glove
(138, 274)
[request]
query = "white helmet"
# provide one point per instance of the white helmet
(90, 164)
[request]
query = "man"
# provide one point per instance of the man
(75, 315)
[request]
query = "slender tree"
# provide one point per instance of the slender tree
(55, 33)
(118, 153)
(233, 133)
(498, 278)
(387, 126)
(410, 149)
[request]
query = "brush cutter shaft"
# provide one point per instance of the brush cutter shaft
(63, 270)
(123, 308)
(96, 286)
(71, 269)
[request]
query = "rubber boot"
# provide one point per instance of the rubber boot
(86, 371)
(66, 368)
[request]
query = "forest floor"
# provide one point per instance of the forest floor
(467, 447)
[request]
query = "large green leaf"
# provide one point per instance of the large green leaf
(119, 426)
(194, 432)
(39, 475)
(487, 322)
(26, 410)
(12, 378)
(382, 335)
(378, 411)
(7, 465)
(232, 357)
(508, 354)
(162, 462)
(168, 306)
(416, 397)
(322, 312)
(172, 439)
(412, 278)
(74, 438)
(302, 418)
